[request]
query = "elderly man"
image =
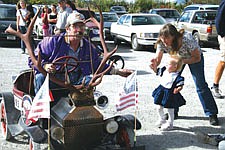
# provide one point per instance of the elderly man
(71, 43)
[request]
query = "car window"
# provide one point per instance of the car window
(168, 13)
(127, 20)
(7, 13)
(147, 20)
(120, 21)
(185, 17)
(118, 8)
(191, 8)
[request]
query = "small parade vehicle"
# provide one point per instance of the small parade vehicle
(75, 120)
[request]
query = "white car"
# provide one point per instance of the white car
(137, 29)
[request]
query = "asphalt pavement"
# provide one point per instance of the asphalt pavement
(191, 115)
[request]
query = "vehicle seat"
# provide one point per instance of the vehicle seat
(24, 83)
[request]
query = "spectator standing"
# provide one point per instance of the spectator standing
(44, 18)
(71, 5)
(62, 16)
(21, 20)
(173, 41)
(220, 27)
(52, 19)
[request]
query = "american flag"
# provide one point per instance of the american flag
(41, 104)
(129, 95)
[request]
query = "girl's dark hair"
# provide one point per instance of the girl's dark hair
(170, 30)
(72, 5)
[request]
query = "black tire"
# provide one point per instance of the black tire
(6, 134)
(134, 43)
(118, 61)
(196, 37)
(116, 41)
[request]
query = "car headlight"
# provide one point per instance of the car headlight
(112, 126)
(146, 35)
(57, 133)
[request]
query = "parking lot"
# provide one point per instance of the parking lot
(191, 115)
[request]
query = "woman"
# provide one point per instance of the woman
(172, 41)
(44, 17)
(21, 20)
(52, 18)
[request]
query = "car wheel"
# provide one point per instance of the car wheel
(134, 43)
(196, 37)
(4, 123)
(116, 41)
(118, 61)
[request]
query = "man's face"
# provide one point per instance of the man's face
(76, 31)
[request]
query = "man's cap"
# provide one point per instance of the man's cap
(59, 1)
(74, 17)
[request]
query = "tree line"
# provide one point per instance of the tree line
(132, 7)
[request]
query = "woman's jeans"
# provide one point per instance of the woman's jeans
(23, 30)
(204, 93)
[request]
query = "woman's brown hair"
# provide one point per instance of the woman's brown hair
(170, 30)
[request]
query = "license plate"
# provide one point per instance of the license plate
(10, 37)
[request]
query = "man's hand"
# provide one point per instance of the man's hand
(124, 72)
(50, 68)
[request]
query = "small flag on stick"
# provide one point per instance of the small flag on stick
(41, 104)
(129, 95)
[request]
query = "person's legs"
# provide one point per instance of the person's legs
(39, 80)
(169, 124)
(161, 120)
(219, 69)
(204, 93)
(23, 30)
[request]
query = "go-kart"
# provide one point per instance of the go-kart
(75, 121)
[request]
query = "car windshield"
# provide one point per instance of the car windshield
(168, 13)
(108, 17)
(147, 20)
(8, 13)
(118, 8)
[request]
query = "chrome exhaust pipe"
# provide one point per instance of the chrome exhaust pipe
(101, 100)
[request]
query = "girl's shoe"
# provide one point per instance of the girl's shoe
(166, 126)
(160, 122)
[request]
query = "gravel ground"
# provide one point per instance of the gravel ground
(191, 115)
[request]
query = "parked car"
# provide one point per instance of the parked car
(109, 18)
(201, 7)
(7, 17)
(201, 24)
(167, 13)
(137, 29)
(119, 10)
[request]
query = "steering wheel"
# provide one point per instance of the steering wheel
(65, 61)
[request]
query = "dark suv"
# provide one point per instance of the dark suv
(167, 13)
(7, 17)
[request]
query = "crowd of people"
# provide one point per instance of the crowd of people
(182, 47)
(53, 20)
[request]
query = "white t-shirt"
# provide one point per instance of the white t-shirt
(24, 13)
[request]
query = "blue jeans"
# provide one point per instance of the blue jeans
(77, 79)
(23, 30)
(204, 93)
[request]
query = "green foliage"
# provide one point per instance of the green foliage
(137, 6)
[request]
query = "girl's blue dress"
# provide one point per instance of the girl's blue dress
(166, 98)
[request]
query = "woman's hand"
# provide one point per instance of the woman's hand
(153, 64)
